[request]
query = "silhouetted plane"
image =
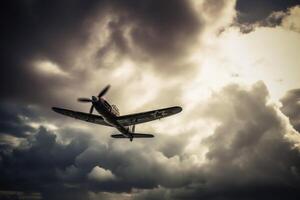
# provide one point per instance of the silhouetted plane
(110, 116)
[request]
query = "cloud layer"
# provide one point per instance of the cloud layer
(232, 140)
(252, 149)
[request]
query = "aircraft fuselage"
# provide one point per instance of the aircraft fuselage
(110, 118)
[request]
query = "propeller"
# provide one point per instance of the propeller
(91, 109)
(94, 99)
(84, 100)
(103, 92)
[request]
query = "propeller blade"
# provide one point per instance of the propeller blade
(84, 100)
(91, 109)
(103, 92)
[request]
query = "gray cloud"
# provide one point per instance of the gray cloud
(291, 107)
(253, 14)
(39, 30)
(254, 11)
(249, 156)
(249, 151)
(12, 123)
(34, 165)
(60, 31)
(58, 166)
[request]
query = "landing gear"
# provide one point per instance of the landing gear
(132, 130)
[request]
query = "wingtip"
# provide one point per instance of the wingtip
(178, 109)
(56, 109)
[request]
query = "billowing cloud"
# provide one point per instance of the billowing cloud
(251, 150)
(100, 174)
(252, 142)
(291, 21)
(13, 120)
(258, 10)
(232, 140)
(251, 145)
(291, 107)
(287, 18)
(59, 32)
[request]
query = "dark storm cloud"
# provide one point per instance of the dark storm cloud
(33, 166)
(29, 169)
(59, 168)
(49, 30)
(249, 151)
(163, 29)
(252, 14)
(60, 171)
(249, 155)
(156, 32)
(11, 120)
(258, 10)
(59, 30)
(291, 107)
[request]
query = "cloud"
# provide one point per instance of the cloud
(12, 123)
(251, 145)
(291, 107)
(291, 21)
(74, 41)
(250, 150)
(34, 165)
(254, 11)
(39, 30)
(285, 17)
(109, 196)
(252, 142)
(230, 142)
(163, 33)
(100, 174)
(57, 164)
(63, 52)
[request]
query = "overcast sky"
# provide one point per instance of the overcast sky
(232, 65)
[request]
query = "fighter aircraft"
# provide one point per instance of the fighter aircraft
(110, 116)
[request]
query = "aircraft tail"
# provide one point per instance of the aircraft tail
(134, 135)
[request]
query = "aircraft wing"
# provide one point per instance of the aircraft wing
(127, 120)
(96, 119)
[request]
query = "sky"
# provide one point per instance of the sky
(232, 65)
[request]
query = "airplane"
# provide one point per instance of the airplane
(110, 116)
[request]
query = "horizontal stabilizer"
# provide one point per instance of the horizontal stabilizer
(135, 135)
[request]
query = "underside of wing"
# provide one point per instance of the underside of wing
(128, 120)
(96, 119)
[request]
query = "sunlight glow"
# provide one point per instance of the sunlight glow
(49, 68)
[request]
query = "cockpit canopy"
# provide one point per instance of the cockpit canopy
(112, 108)
(115, 110)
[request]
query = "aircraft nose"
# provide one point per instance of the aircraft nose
(94, 98)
